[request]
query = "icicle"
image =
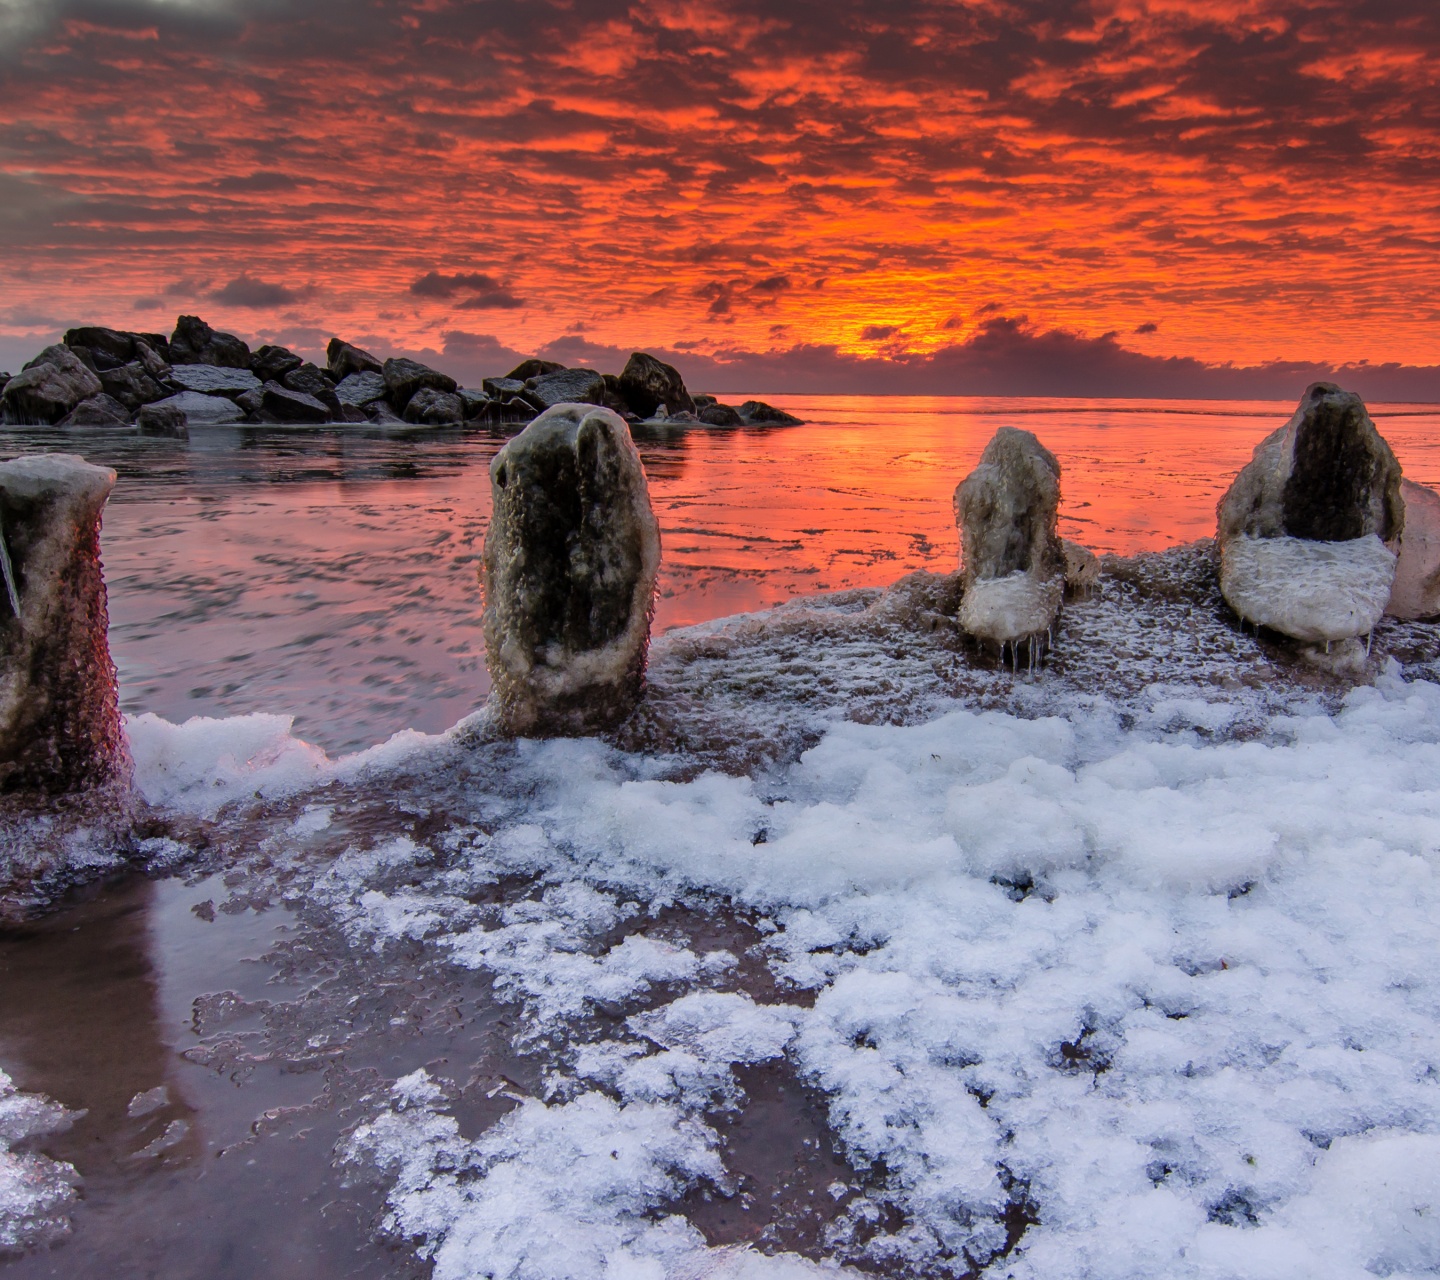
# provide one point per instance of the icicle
(1369, 636)
(9, 570)
(1327, 648)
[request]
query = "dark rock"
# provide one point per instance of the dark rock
(131, 385)
(87, 358)
(756, 413)
(353, 413)
(109, 348)
(570, 562)
(252, 402)
(271, 364)
(403, 378)
(681, 418)
(213, 379)
(614, 398)
(48, 387)
(288, 405)
(98, 411)
(517, 410)
(345, 359)
(1309, 528)
(313, 381)
(716, 414)
(702, 400)
(382, 415)
(358, 389)
(60, 727)
(647, 383)
(200, 408)
(163, 419)
(434, 408)
(472, 402)
(533, 368)
(1014, 563)
(151, 360)
(502, 388)
(568, 386)
(489, 414)
(195, 342)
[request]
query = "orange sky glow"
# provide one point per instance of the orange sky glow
(1239, 181)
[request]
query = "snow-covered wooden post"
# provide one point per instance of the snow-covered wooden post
(571, 558)
(59, 710)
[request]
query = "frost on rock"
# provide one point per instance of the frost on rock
(59, 712)
(1012, 557)
(1325, 477)
(570, 562)
(1416, 592)
(35, 1191)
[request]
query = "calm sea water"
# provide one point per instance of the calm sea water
(332, 575)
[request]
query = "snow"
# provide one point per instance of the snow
(1143, 964)
(1175, 995)
(35, 1191)
(1316, 591)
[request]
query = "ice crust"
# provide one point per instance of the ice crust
(1315, 591)
(1005, 610)
(35, 1191)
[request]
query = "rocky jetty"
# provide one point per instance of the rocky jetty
(1013, 560)
(102, 377)
(60, 725)
(570, 562)
(1308, 531)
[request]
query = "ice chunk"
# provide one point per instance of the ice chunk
(35, 1191)
(1416, 593)
(1315, 591)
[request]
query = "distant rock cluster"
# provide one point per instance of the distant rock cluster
(102, 377)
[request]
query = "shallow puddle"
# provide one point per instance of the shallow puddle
(205, 1043)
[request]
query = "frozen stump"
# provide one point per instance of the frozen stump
(1307, 531)
(1011, 555)
(59, 714)
(571, 557)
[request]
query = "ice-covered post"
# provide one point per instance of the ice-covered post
(571, 557)
(59, 711)
(1307, 530)
(1011, 553)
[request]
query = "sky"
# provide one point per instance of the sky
(1090, 197)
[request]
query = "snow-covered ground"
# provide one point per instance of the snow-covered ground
(1125, 970)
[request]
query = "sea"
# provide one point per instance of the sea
(332, 574)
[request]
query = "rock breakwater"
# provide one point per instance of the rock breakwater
(158, 385)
